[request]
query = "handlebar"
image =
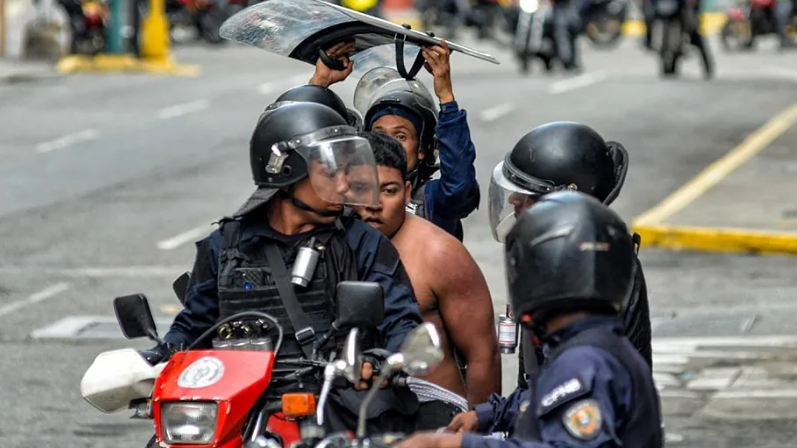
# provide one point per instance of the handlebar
(210, 331)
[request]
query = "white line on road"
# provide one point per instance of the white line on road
(759, 393)
(723, 341)
(496, 112)
(100, 272)
(183, 238)
(67, 140)
(41, 296)
(577, 82)
(302, 78)
(266, 88)
(183, 109)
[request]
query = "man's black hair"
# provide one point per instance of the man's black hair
(387, 151)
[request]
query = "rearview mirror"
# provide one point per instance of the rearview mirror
(360, 305)
(134, 317)
(180, 287)
(353, 357)
(421, 351)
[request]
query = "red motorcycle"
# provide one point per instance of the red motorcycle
(749, 20)
(221, 397)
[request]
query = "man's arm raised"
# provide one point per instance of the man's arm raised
(467, 313)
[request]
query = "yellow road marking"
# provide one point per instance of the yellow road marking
(719, 170)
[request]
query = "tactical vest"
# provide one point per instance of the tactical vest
(246, 281)
(644, 407)
(417, 204)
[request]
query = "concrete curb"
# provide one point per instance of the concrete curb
(112, 63)
(651, 225)
(723, 240)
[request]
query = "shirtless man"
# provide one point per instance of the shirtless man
(449, 285)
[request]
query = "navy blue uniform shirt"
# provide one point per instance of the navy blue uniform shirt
(582, 374)
(455, 195)
(377, 261)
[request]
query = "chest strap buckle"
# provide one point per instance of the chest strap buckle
(305, 335)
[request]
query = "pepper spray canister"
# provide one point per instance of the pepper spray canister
(305, 263)
(507, 333)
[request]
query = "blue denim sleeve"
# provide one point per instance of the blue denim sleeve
(456, 194)
(202, 301)
(499, 413)
(378, 261)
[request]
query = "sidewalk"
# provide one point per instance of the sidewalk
(16, 71)
(745, 202)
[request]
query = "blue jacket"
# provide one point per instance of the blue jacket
(377, 261)
(602, 381)
(455, 195)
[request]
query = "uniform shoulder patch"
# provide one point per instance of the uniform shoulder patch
(564, 392)
(583, 419)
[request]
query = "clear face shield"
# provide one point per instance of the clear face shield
(341, 165)
(380, 82)
(506, 202)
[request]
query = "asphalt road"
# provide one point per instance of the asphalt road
(106, 180)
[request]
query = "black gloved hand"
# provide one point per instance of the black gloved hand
(376, 357)
(160, 353)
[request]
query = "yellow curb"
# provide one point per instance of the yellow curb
(113, 63)
(414, 22)
(723, 240)
(710, 23)
(171, 309)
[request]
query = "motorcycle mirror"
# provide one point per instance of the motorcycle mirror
(180, 287)
(135, 317)
(353, 357)
(421, 351)
(359, 304)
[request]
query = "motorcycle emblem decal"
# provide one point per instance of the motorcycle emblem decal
(203, 372)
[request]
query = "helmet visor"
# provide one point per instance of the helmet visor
(506, 202)
(382, 81)
(342, 170)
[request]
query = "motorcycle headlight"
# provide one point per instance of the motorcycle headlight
(186, 423)
(528, 5)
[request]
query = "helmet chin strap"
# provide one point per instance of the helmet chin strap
(298, 203)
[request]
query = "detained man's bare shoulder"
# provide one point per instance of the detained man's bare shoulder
(437, 246)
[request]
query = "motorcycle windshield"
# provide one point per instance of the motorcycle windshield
(299, 28)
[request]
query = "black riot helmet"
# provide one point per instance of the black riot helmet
(296, 141)
(311, 93)
(555, 156)
(568, 253)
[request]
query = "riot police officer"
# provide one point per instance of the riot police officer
(307, 164)
(570, 269)
(559, 156)
(566, 22)
(405, 110)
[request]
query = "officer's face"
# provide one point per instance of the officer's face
(394, 194)
(402, 130)
(324, 189)
(521, 202)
